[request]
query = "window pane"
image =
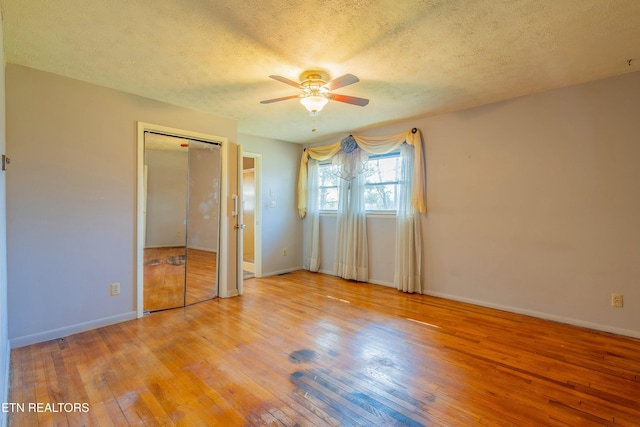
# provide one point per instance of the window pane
(328, 198)
(326, 177)
(381, 197)
(384, 169)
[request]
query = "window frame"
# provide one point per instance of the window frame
(379, 213)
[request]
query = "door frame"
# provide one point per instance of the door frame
(257, 216)
(223, 248)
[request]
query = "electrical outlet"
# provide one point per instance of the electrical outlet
(284, 251)
(114, 289)
(616, 300)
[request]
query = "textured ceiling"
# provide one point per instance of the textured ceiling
(413, 57)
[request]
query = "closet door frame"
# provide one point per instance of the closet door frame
(143, 127)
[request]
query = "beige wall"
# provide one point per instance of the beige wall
(281, 227)
(533, 204)
(4, 332)
(71, 198)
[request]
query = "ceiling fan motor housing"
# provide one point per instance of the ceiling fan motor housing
(313, 83)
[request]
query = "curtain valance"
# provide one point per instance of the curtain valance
(373, 145)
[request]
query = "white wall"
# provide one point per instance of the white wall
(4, 332)
(533, 204)
(281, 226)
(71, 199)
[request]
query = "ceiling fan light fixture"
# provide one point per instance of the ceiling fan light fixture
(314, 103)
(316, 91)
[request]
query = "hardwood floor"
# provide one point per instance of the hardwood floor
(307, 349)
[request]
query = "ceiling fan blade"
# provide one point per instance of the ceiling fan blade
(347, 79)
(286, 81)
(349, 99)
(284, 98)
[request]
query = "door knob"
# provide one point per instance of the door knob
(239, 226)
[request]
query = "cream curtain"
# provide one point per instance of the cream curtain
(408, 243)
(312, 225)
(413, 201)
(374, 145)
(317, 153)
(352, 252)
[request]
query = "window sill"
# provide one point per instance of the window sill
(370, 214)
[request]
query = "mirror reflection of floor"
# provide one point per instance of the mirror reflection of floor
(248, 266)
(201, 276)
(164, 277)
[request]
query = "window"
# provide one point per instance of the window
(381, 184)
(328, 187)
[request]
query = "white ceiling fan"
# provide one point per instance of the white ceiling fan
(316, 90)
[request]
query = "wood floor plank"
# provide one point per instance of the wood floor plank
(308, 349)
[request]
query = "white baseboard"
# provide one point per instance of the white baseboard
(70, 330)
(540, 315)
(225, 293)
(286, 270)
(383, 283)
(374, 282)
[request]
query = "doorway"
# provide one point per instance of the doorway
(252, 215)
(181, 230)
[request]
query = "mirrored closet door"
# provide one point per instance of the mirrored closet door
(182, 221)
